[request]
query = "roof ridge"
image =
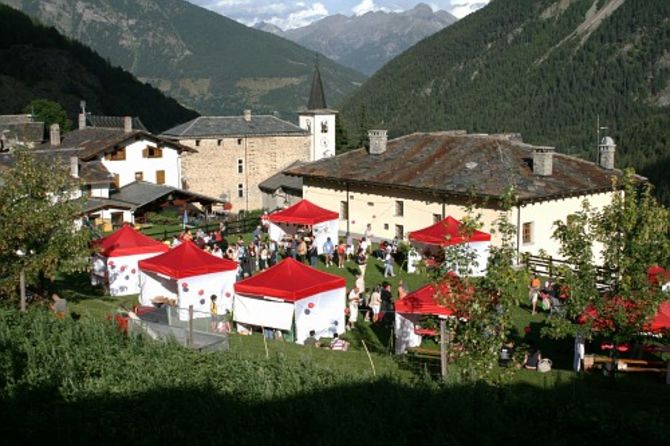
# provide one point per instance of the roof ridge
(190, 126)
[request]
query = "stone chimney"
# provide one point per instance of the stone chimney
(74, 166)
(54, 135)
(82, 121)
(247, 115)
(377, 141)
(127, 124)
(606, 152)
(543, 160)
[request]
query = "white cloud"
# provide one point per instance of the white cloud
(461, 8)
(366, 6)
(301, 17)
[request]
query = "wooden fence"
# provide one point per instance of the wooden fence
(550, 267)
(233, 227)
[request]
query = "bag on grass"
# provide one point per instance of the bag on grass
(544, 365)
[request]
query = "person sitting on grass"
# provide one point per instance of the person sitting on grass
(339, 344)
(532, 358)
(311, 341)
(59, 306)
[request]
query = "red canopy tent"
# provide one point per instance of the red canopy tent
(115, 262)
(187, 260)
(190, 276)
(303, 212)
(445, 233)
(128, 241)
(292, 294)
(289, 280)
(422, 301)
(662, 319)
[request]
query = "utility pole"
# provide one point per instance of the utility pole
(443, 348)
(598, 129)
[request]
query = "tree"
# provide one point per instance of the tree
(634, 232)
(481, 305)
(49, 112)
(341, 137)
(38, 213)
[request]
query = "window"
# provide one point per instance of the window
(240, 166)
(152, 152)
(400, 232)
(197, 143)
(240, 190)
(117, 155)
(87, 190)
(399, 209)
(116, 181)
(527, 234)
(386, 226)
(160, 177)
(139, 176)
(324, 127)
(239, 141)
(219, 142)
(437, 218)
(344, 210)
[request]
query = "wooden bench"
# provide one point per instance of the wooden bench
(629, 365)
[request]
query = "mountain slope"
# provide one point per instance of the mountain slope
(545, 68)
(202, 59)
(38, 63)
(368, 41)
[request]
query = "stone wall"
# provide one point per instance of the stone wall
(214, 170)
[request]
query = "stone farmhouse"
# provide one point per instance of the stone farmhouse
(19, 130)
(413, 181)
(236, 153)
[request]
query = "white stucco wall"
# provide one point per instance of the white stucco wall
(134, 162)
(542, 215)
(322, 145)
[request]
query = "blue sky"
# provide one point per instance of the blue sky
(295, 13)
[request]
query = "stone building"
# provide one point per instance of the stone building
(236, 153)
(411, 182)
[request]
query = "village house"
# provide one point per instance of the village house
(19, 130)
(235, 154)
(413, 181)
(124, 170)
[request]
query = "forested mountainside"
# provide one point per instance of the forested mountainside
(204, 60)
(366, 42)
(544, 68)
(40, 63)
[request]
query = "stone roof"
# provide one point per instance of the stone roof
(20, 128)
(317, 100)
(231, 126)
(94, 141)
(141, 193)
(458, 164)
(280, 180)
(113, 122)
(90, 172)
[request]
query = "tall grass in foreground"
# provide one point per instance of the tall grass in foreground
(82, 382)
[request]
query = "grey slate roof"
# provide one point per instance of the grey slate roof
(113, 122)
(317, 100)
(141, 193)
(280, 180)
(456, 164)
(20, 128)
(231, 126)
(96, 140)
(91, 172)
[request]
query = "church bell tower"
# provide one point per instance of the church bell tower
(319, 120)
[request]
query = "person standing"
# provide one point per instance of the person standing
(263, 256)
(350, 245)
(388, 265)
(213, 312)
(534, 292)
(313, 254)
(354, 299)
(387, 297)
(375, 303)
(301, 251)
(362, 261)
(402, 289)
(328, 249)
(341, 254)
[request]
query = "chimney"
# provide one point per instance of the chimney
(74, 166)
(127, 124)
(606, 151)
(543, 160)
(54, 135)
(247, 115)
(82, 121)
(377, 141)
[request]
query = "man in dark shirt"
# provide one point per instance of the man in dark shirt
(387, 297)
(311, 341)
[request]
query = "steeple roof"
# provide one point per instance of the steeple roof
(317, 100)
